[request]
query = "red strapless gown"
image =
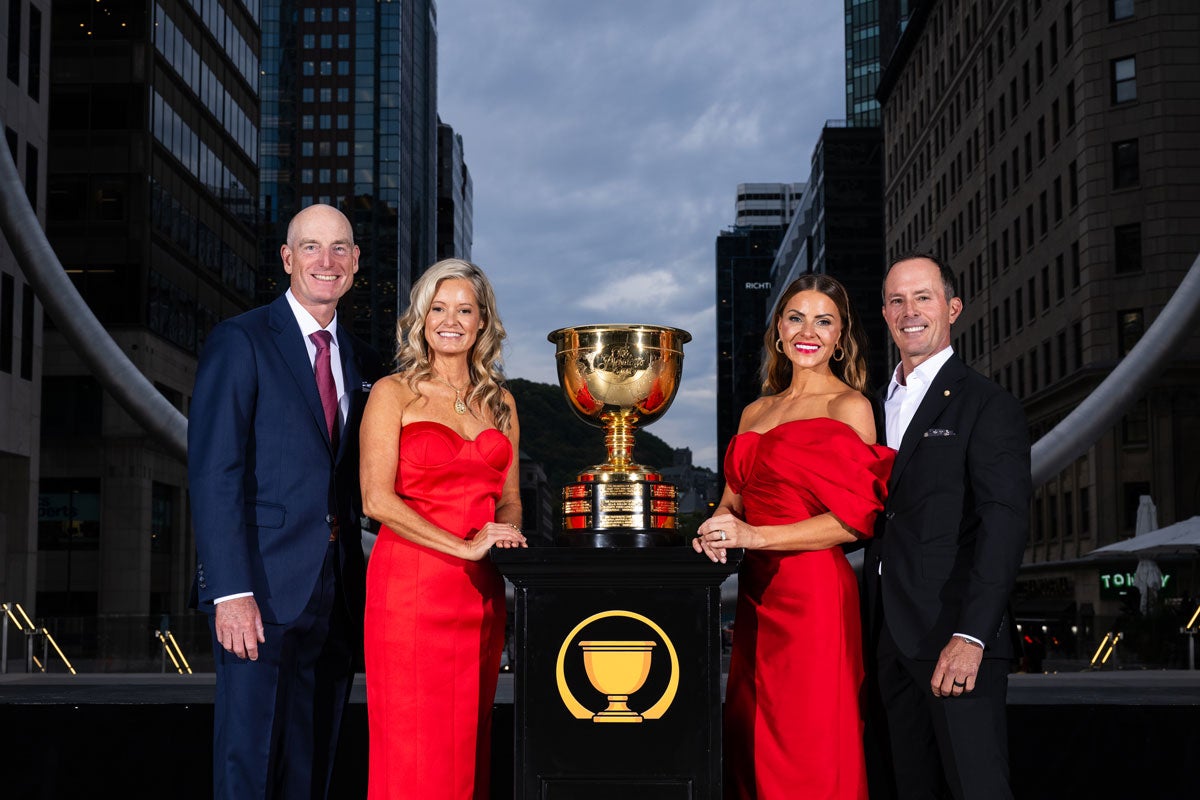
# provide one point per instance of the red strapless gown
(793, 726)
(434, 626)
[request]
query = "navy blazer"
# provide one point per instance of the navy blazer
(266, 486)
(952, 532)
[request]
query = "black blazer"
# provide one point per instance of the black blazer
(952, 532)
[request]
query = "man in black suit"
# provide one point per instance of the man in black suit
(941, 568)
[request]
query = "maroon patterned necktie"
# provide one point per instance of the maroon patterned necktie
(325, 385)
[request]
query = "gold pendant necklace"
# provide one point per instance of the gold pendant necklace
(460, 407)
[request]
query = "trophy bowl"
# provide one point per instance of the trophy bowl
(616, 377)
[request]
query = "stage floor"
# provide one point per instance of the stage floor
(1127, 733)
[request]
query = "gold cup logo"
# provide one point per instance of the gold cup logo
(617, 669)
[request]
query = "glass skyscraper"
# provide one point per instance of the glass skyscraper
(152, 182)
(349, 118)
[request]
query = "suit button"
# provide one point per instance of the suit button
(891, 514)
(330, 519)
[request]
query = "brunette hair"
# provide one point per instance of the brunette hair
(851, 369)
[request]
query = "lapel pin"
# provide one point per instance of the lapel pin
(946, 393)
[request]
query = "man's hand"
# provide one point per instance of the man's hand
(240, 627)
(956, 668)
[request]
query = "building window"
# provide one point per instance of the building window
(27, 305)
(69, 514)
(1120, 9)
(1135, 425)
(163, 500)
(8, 318)
(1085, 512)
(14, 41)
(1068, 27)
(1123, 75)
(1131, 326)
(1127, 248)
(1125, 164)
(34, 65)
(1073, 183)
(1070, 104)
(31, 174)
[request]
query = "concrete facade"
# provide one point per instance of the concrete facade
(1049, 150)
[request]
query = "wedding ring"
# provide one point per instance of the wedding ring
(962, 685)
(723, 537)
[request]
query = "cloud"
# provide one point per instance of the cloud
(606, 142)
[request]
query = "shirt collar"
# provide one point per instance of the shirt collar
(308, 324)
(924, 372)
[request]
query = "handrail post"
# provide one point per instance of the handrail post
(4, 640)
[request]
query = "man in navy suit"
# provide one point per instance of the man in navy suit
(941, 568)
(273, 474)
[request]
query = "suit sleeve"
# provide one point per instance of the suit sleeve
(219, 431)
(998, 463)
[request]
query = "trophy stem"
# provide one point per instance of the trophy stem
(618, 439)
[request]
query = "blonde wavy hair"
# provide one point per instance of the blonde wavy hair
(484, 362)
(776, 370)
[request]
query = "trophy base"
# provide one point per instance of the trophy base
(663, 537)
(620, 510)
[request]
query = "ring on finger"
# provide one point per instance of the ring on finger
(961, 685)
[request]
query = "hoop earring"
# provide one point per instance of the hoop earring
(779, 345)
(839, 354)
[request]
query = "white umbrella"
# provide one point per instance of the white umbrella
(1148, 577)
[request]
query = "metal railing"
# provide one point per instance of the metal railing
(171, 649)
(1108, 646)
(25, 625)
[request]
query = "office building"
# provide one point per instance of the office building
(24, 108)
(152, 190)
(455, 202)
(838, 230)
(349, 118)
(745, 253)
(1047, 150)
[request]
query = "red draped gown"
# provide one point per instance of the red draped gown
(434, 626)
(793, 724)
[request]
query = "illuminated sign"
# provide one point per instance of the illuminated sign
(1114, 585)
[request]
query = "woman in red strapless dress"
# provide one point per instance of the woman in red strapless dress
(802, 478)
(439, 472)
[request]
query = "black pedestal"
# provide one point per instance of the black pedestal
(589, 622)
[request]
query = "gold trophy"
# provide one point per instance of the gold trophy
(617, 377)
(617, 669)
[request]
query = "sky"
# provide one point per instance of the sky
(606, 140)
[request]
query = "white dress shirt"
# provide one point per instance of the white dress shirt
(905, 396)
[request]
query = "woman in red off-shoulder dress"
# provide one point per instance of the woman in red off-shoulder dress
(803, 477)
(439, 471)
